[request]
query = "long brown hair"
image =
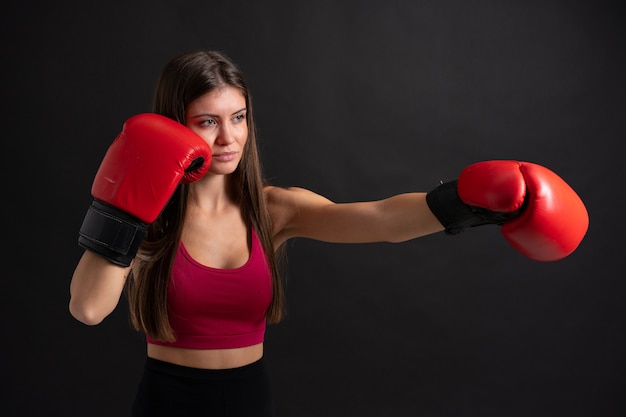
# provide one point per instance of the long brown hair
(182, 80)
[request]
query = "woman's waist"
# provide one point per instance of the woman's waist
(207, 358)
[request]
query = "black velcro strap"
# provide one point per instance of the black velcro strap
(456, 216)
(111, 233)
(446, 205)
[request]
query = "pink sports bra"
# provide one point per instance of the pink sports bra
(212, 308)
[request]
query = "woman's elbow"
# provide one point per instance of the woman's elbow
(86, 313)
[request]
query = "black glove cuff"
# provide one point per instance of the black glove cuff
(455, 215)
(111, 233)
(446, 205)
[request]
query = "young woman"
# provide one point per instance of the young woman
(205, 278)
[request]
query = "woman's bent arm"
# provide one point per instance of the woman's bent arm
(96, 287)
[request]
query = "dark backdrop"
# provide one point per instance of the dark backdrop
(357, 101)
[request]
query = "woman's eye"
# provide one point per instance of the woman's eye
(208, 122)
(240, 117)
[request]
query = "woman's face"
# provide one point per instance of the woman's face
(219, 117)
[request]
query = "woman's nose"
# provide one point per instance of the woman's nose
(224, 136)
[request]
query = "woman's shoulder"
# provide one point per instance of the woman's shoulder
(279, 200)
(290, 209)
(285, 197)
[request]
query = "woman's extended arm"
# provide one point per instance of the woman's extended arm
(541, 215)
(302, 213)
(95, 289)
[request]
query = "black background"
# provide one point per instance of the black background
(356, 101)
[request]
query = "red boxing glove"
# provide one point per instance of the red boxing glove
(138, 175)
(541, 215)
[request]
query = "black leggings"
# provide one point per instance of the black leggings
(172, 390)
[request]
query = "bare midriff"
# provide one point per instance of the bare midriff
(207, 358)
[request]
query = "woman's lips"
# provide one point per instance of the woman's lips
(224, 156)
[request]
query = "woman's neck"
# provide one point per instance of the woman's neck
(212, 193)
